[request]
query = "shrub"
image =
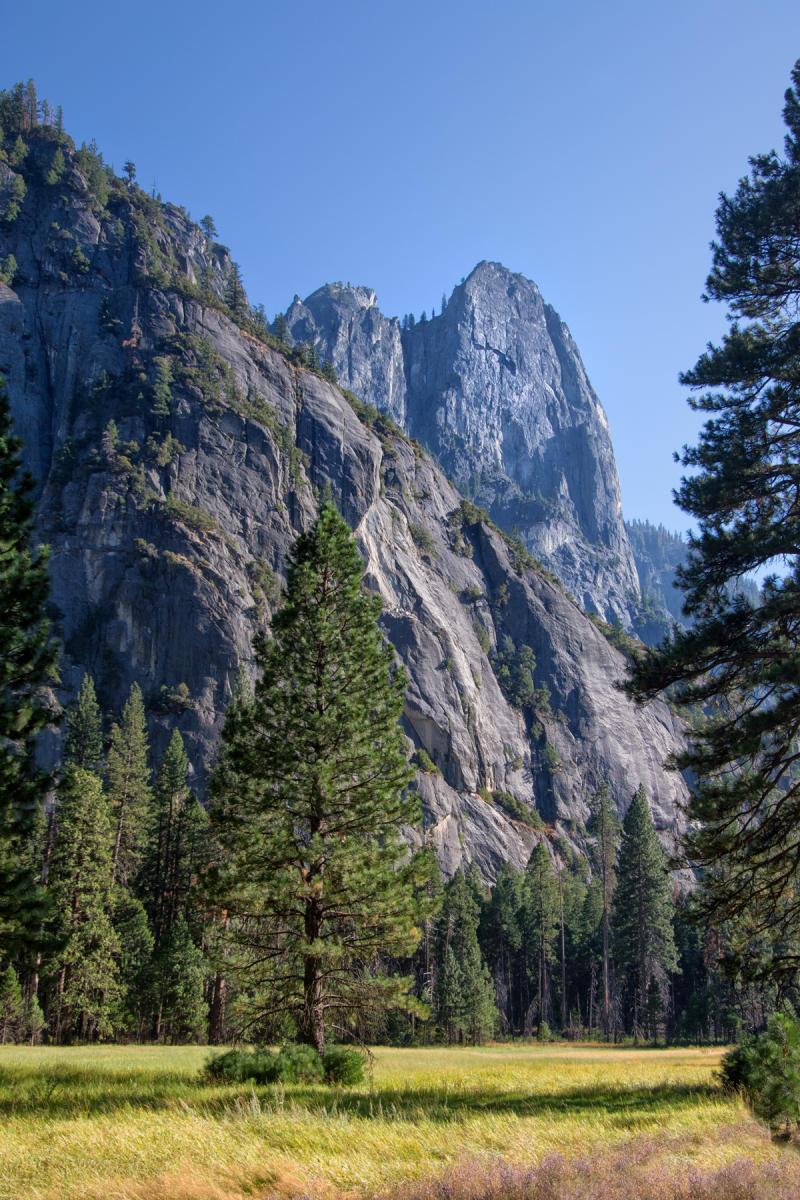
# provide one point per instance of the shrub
(424, 762)
(343, 1065)
(294, 1063)
(766, 1068)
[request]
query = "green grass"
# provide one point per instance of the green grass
(137, 1123)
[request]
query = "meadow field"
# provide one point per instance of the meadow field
(502, 1122)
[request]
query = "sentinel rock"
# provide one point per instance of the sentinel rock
(495, 388)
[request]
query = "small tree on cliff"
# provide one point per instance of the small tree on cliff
(308, 797)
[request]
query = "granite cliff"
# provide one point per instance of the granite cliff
(180, 450)
(495, 388)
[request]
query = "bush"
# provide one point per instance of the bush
(343, 1065)
(294, 1063)
(766, 1068)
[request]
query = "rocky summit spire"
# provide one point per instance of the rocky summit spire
(495, 388)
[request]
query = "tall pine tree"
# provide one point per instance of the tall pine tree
(644, 946)
(83, 741)
(27, 665)
(737, 661)
(316, 879)
(85, 968)
(129, 791)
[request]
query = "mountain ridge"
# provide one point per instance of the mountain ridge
(180, 448)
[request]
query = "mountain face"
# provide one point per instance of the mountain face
(180, 451)
(495, 388)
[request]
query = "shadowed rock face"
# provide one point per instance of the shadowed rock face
(496, 389)
(170, 527)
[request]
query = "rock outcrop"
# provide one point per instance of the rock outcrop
(495, 388)
(180, 452)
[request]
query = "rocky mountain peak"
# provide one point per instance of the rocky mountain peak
(495, 388)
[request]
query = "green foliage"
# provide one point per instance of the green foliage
(464, 992)
(28, 660)
(83, 743)
(741, 662)
(162, 389)
(343, 1066)
(766, 1068)
(12, 1007)
(85, 968)
(482, 636)
(294, 1063)
(379, 422)
(514, 807)
(424, 762)
(129, 790)
(57, 168)
(163, 450)
(8, 270)
(178, 969)
(515, 667)
(422, 538)
(644, 946)
(190, 515)
(264, 583)
(539, 923)
(309, 794)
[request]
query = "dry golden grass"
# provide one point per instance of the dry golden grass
(137, 1123)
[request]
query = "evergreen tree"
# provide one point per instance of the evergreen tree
(12, 1008)
(208, 227)
(162, 389)
(605, 827)
(172, 791)
(85, 967)
(129, 791)
(178, 969)
(540, 925)
(740, 662)
(644, 946)
(280, 330)
(315, 876)
(27, 665)
(83, 742)
(135, 968)
(179, 840)
(501, 942)
(235, 297)
(464, 990)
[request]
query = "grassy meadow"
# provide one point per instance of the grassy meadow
(137, 1123)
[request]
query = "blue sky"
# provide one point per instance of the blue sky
(584, 145)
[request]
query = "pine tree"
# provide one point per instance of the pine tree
(27, 665)
(464, 990)
(644, 946)
(179, 974)
(171, 794)
(541, 925)
(136, 981)
(501, 942)
(86, 968)
(605, 827)
(83, 741)
(739, 662)
(235, 297)
(313, 857)
(12, 1008)
(129, 791)
(162, 389)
